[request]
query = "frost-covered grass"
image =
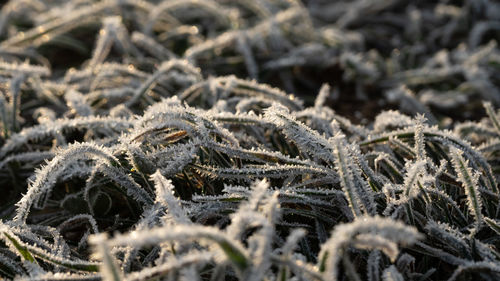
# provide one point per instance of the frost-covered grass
(160, 140)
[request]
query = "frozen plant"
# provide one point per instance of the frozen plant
(249, 140)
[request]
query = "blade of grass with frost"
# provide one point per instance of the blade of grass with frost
(14, 69)
(23, 251)
(136, 157)
(241, 118)
(255, 34)
(164, 195)
(43, 33)
(130, 187)
(452, 238)
(199, 123)
(58, 276)
(123, 43)
(480, 266)
(243, 46)
(212, 8)
(346, 181)
(165, 67)
(298, 267)
(490, 147)
(322, 96)
(259, 155)
(445, 197)
(222, 41)
(260, 243)
(357, 192)
(347, 125)
(176, 264)
(392, 232)
(466, 128)
(469, 180)
(47, 175)
(493, 224)
(151, 46)
(414, 172)
(259, 171)
(245, 88)
(288, 248)
(376, 181)
(257, 197)
(172, 161)
(446, 138)
(493, 116)
(391, 119)
(364, 189)
(109, 268)
(419, 137)
(484, 250)
(89, 185)
(104, 41)
(44, 91)
(78, 265)
(372, 241)
(442, 255)
(402, 148)
(29, 252)
(52, 128)
(409, 102)
(76, 103)
(106, 69)
(80, 217)
(305, 138)
(153, 216)
(247, 214)
(234, 251)
(263, 239)
(319, 120)
(252, 87)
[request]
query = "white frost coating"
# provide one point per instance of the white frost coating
(120, 100)
(387, 231)
(47, 175)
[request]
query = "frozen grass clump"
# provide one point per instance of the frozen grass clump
(160, 140)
